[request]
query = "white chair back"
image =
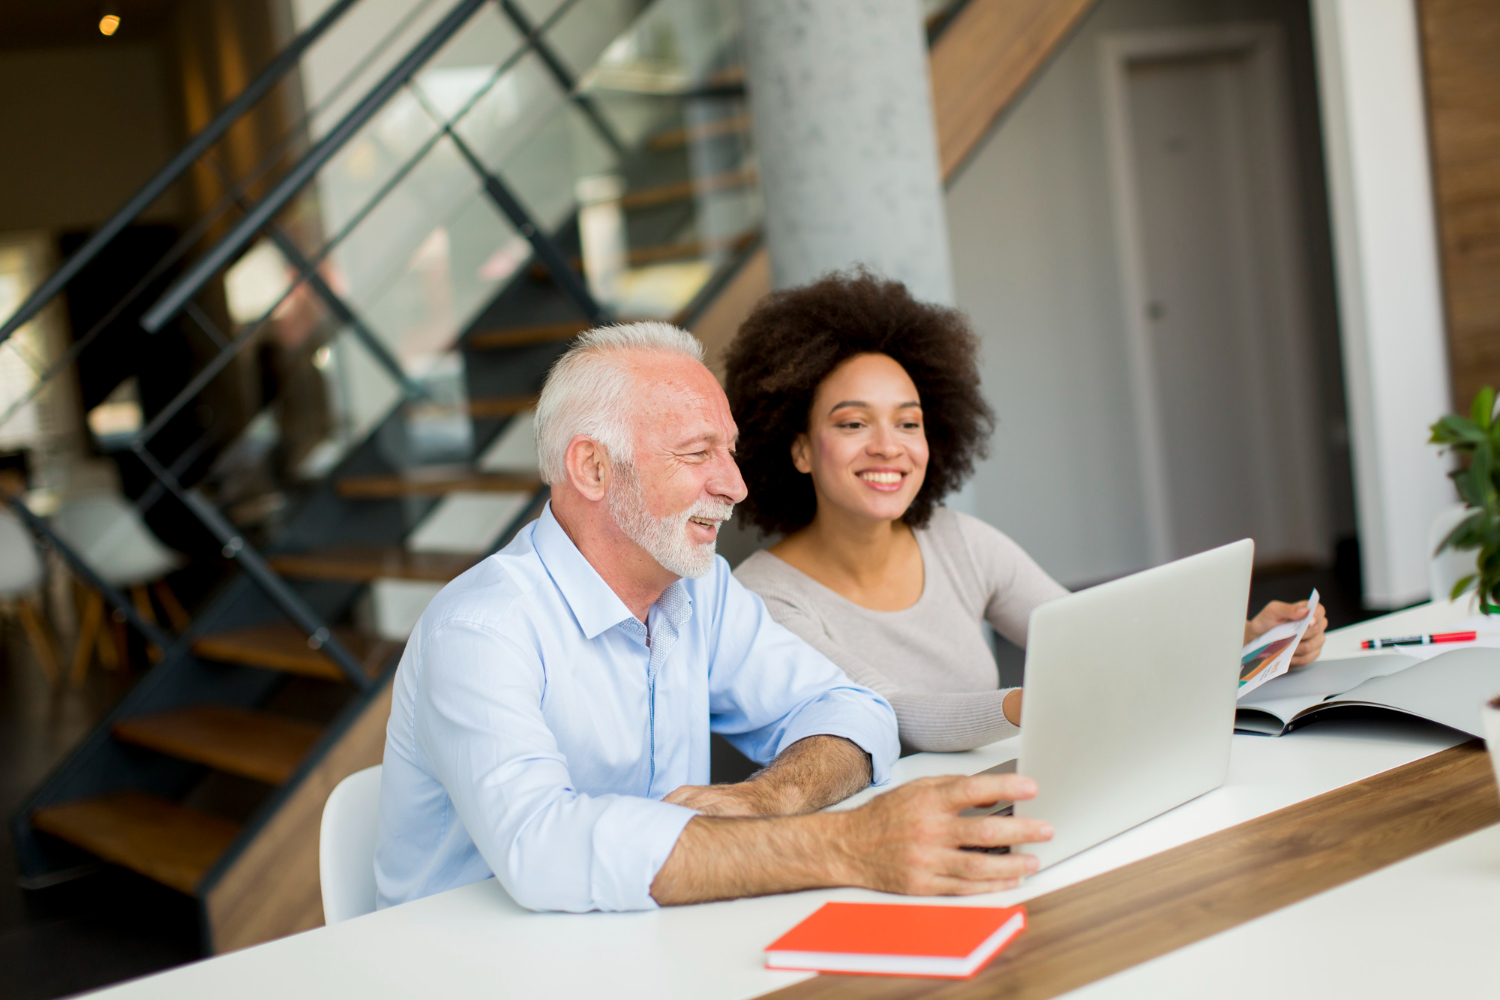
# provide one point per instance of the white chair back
(346, 846)
(20, 567)
(108, 533)
(1449, 566)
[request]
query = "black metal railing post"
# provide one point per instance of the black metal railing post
(291, 604)
(546, 250)
(560, 73)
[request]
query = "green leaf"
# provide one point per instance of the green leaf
(1465, 535)
(1483, 408)
(1456, 430)
(1461, 586)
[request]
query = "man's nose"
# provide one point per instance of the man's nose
(728, 483)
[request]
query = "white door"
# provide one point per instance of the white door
(1224, 325)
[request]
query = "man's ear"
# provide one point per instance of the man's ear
(802, 454)
(587, 466)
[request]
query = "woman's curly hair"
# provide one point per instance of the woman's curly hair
(795, 338)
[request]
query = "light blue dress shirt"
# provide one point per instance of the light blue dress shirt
(536, 724)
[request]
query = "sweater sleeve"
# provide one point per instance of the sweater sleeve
(1013, 584)
(938, 721)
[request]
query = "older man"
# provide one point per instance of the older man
(553, 707)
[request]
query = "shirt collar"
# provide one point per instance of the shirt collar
(595, 606)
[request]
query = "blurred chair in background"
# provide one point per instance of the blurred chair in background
(20, 582)
(107, 532)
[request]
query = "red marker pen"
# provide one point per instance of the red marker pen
(1419, 640)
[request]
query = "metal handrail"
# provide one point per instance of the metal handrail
(234, 241)
(168, 175)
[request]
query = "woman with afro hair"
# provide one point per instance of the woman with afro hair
(859, 409)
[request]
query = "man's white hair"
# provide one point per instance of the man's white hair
(590, 388)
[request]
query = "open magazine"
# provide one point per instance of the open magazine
(1448, 688)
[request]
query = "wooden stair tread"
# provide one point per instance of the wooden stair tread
(361, 564)
(662, 194)
(695, 133)
(500, 406)
(659, 252)
(156, 837)
(283, 646)
(251, 744)
(436, 481)
(520, 336)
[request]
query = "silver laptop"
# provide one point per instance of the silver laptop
(1130, 696)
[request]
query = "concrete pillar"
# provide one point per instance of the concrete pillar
(844, 136)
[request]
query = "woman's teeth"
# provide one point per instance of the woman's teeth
(881, 477)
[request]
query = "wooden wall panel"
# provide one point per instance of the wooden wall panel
(272, 889)
(1461, 56)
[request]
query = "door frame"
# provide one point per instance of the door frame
(1290, 319)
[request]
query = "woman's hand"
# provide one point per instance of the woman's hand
(1276, 613)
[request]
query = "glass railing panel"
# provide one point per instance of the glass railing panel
(465, 67)
(544, 171)
(586, 29)
(675, 46)
(537, 11)
(331, 394)
(373, 160)
(357, 51)
(520, 100)
(427, 258)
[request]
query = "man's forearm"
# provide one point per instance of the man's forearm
(726, 858)
(812, 773)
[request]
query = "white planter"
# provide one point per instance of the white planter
(1492, 732)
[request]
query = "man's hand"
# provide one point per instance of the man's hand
(908, 840)
(1276, 613)
(912, 838)
(812, 773)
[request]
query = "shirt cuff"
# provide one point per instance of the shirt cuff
(632, 840)
(873, 731)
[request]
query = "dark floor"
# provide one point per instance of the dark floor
(95, 930)
(113, 925)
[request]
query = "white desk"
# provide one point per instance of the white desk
(475, 942)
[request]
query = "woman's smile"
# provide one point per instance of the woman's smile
(885, 480)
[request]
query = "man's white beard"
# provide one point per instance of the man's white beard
(664, 538)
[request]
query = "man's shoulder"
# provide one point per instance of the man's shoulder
(493, 593)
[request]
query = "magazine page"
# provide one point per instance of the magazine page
(1449, 689)
(1285, 696)
(1269, 654)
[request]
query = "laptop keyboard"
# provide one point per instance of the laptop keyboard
(998, 809)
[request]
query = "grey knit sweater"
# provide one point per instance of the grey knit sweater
(930, 660)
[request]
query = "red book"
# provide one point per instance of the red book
(895, 939)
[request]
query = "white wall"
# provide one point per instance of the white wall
(1370, 77)
(1035, 267)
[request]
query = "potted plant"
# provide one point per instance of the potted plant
(1477, 439)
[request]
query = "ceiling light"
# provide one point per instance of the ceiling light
(109, 20)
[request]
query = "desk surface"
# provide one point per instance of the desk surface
(474, 941)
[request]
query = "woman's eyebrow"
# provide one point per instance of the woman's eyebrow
(859, 402)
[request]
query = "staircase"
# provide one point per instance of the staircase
(210, 776)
